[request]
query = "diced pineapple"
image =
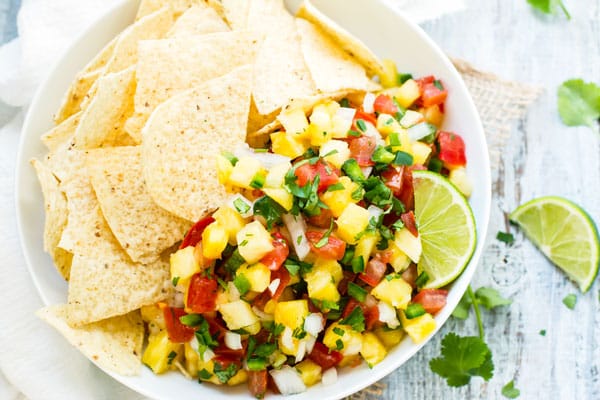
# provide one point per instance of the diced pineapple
(389, 77)
(238, 314)
(291, 313)
(372, 350)
(270, 306)
(398, 260)
(366, 246)
(460, 179)
(284, 198)
(224, 169)
(153, 316)
(156, 355)
(434, 115)
(287, 145)
(231, 220)
(387, 124)
(240, 377)
(353, 220)
(421, 152)
(338, 200)
(409, 244)
(310, 372)
(350, 341)
(321, 285)
(339, 151)
(276, 176)
(411, 118)
(191, 359)
(403, 138)
(254, 242)
(321, 117)
(254, 328)
(244, 172)
(408, 93)
(342, 122)
(294, 121)
(350, 361)
(318, 135)
(184, 264)
(389, 337)
(258, 275)
(393, 290)
(206, 372)
(214, 240)
(332, 267)
(331, 106)
(418, 328)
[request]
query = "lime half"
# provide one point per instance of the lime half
(565, 233)
(446, 226)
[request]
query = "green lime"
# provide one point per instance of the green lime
(565, 233)
(446, 226)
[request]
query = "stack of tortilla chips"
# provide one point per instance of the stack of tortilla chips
(131, 162)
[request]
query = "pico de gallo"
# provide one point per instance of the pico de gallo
(311, 265)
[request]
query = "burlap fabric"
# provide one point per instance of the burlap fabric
(500, 103)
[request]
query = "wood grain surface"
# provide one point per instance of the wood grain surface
(542, 157)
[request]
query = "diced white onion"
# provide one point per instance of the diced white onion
(233, 292)
(250, 204)
(345, 114)
(268, 160)
(287, 338)
(387, 314)
(368, 103)
(194, 343)
(313, 323)
(353, 348)
(375, 212)
(288, 380)
(297, 228)
(419, 131)
(274, 285)
(310, 343)
(329, 377)
(366, 171)
(263, 316)
(177, 300)
(301, 351)
(371, 131)
(233, 340)
(208, 355)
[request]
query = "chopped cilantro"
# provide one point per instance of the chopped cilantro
(204, 338)
(542, 332)
(355, 319)
(505, 237)
(510, 391)
(490, 298)
(299, 333)
(403, 77)
(294, 266)
(234, 262)
(204, 374)
(335, 187)
(338, 331)
(171, 357)
(269, 209)
(579, 103)
(265, 349)
(325, 239)
(438, 84)
(358, 194)
(224, 374)
(339, 345)
(570, 300)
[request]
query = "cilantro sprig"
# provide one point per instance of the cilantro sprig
(579, 103)
(549, 7)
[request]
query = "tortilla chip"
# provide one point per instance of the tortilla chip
(148, 7)
(152, 26)
(61, 133)
(171, 66)
(268, 16)
(103, 120)
(114, 344)
(71, 103)
(182, 138)
(236, 13)
(351, 44)
(331, 68)
(198, 20)
(143, 229)
(55, 205)
(280, 72)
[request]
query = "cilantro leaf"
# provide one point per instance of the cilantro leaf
(355, 319)
(463, 358)
(490, 298)
(224, 374)
(549, 6)
(270, 210)
(579, 103)
(570, 300)
(462, 308)
(510, 391)
(505, 237)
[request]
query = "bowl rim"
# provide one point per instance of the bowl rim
(460, 284)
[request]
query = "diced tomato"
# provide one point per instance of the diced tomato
(410, 275)
(216, 326)
(384, 104)
(432, 300)
(361, 149)
(418, 167)
(425, 80)
(432, 95)
(326, 358)
(194, 235)
(284, 278)
(202, 294)
(452, 149)
(374, 272)
(223, 350)
(276, 257)
(367, 117)
(407, 193)
(261, 300)
(178, 332)
(372, 317)
(334, 249)
(257, 383)
(321, 220)
(343, 285)
(385, 256)
(410, 223)
(226, 361)
(392, 177)
(306, 173)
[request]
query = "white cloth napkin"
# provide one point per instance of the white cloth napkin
(35, 362)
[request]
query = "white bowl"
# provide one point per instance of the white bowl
(389, 34)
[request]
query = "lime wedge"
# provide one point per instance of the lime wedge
(446, 226)
(565, 233)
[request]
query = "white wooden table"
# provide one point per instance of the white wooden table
(542, 157)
